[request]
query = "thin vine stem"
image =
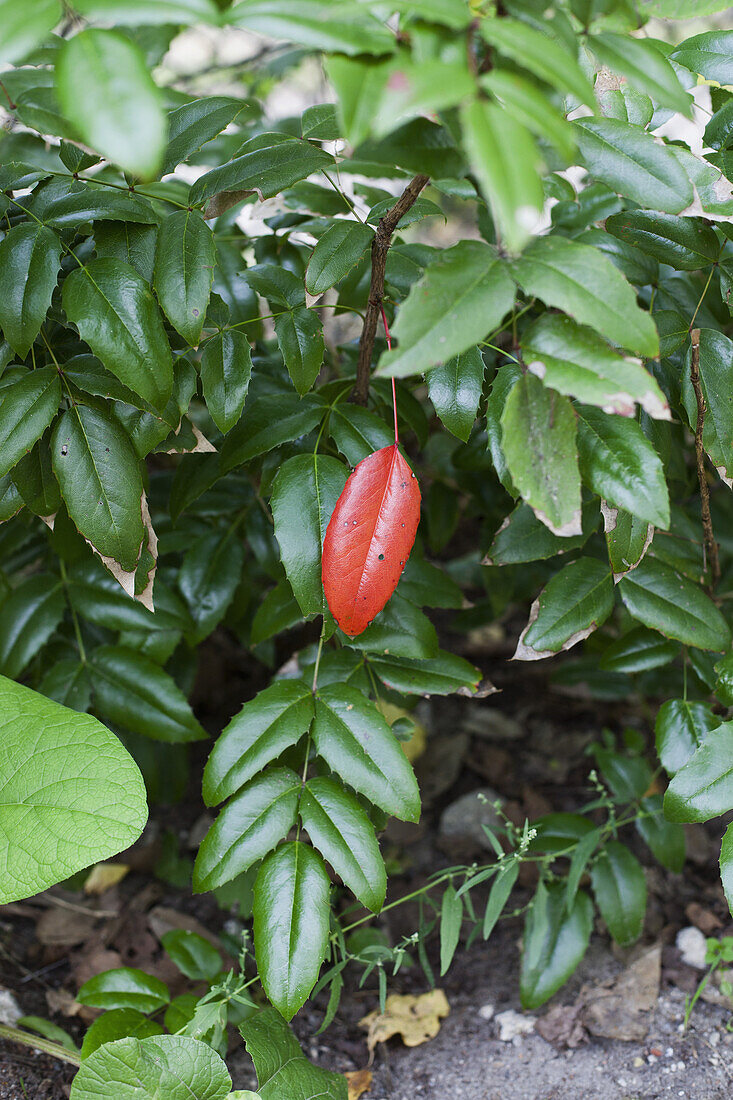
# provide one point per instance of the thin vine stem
(15, 1035)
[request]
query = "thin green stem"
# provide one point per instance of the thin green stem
(702, 296)
(72, 609)
(15, 1035)
(344, 196)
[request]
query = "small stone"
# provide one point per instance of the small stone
(461, 829)
(692, 946)
(513, 1025)
(638, 1062)
(714, 1038)
(486, 1012)
(10, 1012)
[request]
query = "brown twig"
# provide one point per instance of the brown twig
(380, 248)
(711, 546)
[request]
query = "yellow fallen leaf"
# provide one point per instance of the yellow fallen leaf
(416, 1019)
(359, 1082)
(415, 747)
(103, 876)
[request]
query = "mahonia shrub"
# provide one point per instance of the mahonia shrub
(176, 432)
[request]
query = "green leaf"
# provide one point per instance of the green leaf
(316, 24)
(716, 380)
(25, 28)
(538, 440)
(637, 651)
(451, 918)
(283, 1071)
(184, 270)
(116, 314)
(631, 162)
(67, 787)
(543, 56)
(98, 204)
(118, 1023)
(337, 251)
(726, 865)
(665, 840)
(441, 675)
(357, 431)
(644, 65)
(193, 124)
(208, 578)
(99, 475)
(528, 105)
(29, 266)
(226, 367)
(627, 539)
(575, 360)
(583, 282)
(67, 683)
(619, 887)
(339, 828)
(138, 13)
(291, 923)
(506, 162)
(420, 146)
(193, 955)
(27, 407)
(266, 164)
(250, 825)
(132, 691)
(273, 721)
(708, 54)
(703, 787)
(304, 495)
(356, 742)
(277, 612)
(619, 463)
(462, 296)
(124, 987)
(501, 889)
(455, 390)
(401, 629)
(522, 537)
(359, 84)
(267, 423)
(680, 729)
(663, 600)
(555, 940)
(35, 481)
(173, 1066)
(30, 614)
(106, 91)
(299, 334)
(575, 602)
(427, 585)
(686, 244)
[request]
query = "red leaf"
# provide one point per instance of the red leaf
(369, 538)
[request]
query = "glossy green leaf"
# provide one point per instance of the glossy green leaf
(708, 54)
(226, 367)
(441, 675)
(400, 629)
(97, 597)
(680, 729)
(575, 360)
(124, 987)
(192, 124)
(29, 266)
(173, 1066)
(665, 840)
(339, 828)
(116, 314)
(716, 380)
(341, 28)
(543, 56)
(266, 164)
(451, 918)
(463, 294)
(506, 162)
(30, 614)
(627, 539)
(357, 431)
(419, 146)
(522, 537)
(118, 1023)
(455, 390)
(501, 889)
(686, 244)
(619, 888)
(726, 865)
(184, 270)
(619, 463)
(555, 941)
(34, 479)
(132, 691)
(209, 575)
(99, 475)
(299, 334)
(644, 65)
(267, 423)
(703, 787)
(107, 92)
(356, 742)
(278, 611)
(67, 683)
(193, 955)
(337, 251)
(583, 282)
(575, 602)
(291, 923)
(304, 494)
(67, 210)
(538, 441)
(282, 1068)
(68, 787)
(27, 407)
(250, 825)
(639, 650)
(273, 721)
(663, 600)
